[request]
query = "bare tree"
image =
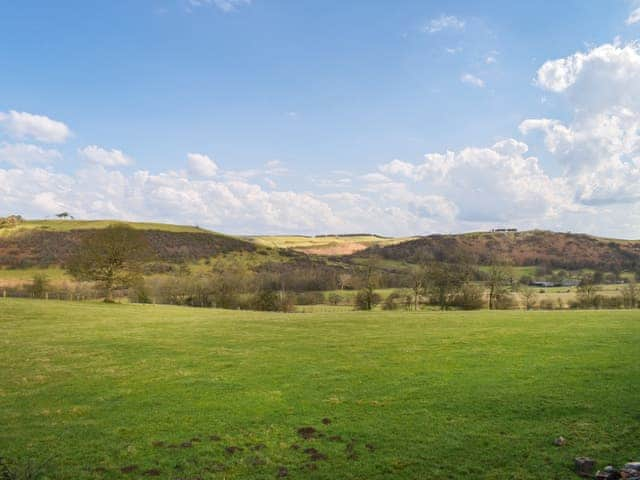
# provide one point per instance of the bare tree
(530, 297)
(418, 282)
(444, 281)
(588, 291)
(114, 257)
(499, 284)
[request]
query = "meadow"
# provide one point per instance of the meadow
(97, 391)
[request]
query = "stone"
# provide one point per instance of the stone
(584, 466)
(609, 473)
(560, 441)
(632, 466)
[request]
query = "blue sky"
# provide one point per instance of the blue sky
(297, 109)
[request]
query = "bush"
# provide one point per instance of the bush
(393, 300)
(366, 299)
(335, 299)
(309, 298)
(39, 286)
(470, 297)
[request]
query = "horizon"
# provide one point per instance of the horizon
(326, 234)
(256, 117)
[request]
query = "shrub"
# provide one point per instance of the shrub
(334, 299)
(39, 286)
(470, 297)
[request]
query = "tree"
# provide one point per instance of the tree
(417, 282)
(444, 281)
(113, 257)
(367, 298)
(499, 281)
(587, 291)
(529, 296)
(630, 294)
(334, 298)
(39, 285)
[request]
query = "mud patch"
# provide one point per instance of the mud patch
(152, 472)
(129, 469)
(283, 472)
(232, 449)
(326, 421)
(307, 432)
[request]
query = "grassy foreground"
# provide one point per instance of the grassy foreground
(91, 387)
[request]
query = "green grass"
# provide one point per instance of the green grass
(67, 225)
(438, 395)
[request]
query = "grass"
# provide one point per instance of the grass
(333, 244)
(68, 225)
(436, 395)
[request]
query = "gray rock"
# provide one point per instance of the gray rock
(584, 466)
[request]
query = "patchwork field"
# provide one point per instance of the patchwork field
(98, 391)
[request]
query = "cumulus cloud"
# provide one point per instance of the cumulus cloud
(472, 80)
(107, 158)
(495, 184)
(23, 125)
(24, 155)
(600, 146)
(201, 165)
(444, 22)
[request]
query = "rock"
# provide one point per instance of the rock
(632, 466)
(584, 466)
(560, 441)
(609, 473)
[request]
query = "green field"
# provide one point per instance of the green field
(90, 387)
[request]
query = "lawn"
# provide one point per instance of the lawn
(90, 387)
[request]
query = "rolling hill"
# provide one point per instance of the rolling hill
(530, 248)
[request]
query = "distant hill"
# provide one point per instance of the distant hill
(559, 250)
(49, 242)
(331, 245)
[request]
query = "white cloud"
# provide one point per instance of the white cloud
(444, 22)
(201, 165)
(495, 184)
(600, 147)
(224, 5)
(472, 80)
(24, 155)
(107, 158)
(23, 125)
(634, 17)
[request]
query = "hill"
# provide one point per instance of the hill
(531, 248)
(42, 243)
(326, 244)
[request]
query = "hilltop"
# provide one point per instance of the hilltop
(569, 251)
(43, 243)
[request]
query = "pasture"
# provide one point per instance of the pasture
(96, 391)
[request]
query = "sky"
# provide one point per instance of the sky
(273, 117)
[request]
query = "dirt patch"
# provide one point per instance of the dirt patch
(129, 469)
(307, 432)
(152, 472)
(232, 449)
(326, 421)
(335, 438)
(370, 447)
(158, 443)
(283, 472)
(295, 446)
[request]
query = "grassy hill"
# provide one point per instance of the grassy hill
(326, 244)
(93, 389)
(44, 243)
(560, 250)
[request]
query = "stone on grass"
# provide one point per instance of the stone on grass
(560, 441)
(584, 466)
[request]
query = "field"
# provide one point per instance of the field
(88, 388)
(325, 245)
(68, 225)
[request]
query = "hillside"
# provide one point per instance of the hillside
(326, 244)
(43, 243)
(531, 248)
